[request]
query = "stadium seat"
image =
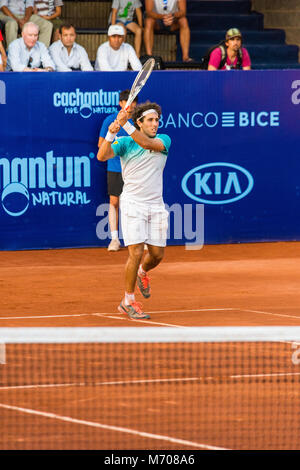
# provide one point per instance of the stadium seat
(210, 19)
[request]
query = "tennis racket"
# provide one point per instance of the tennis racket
(140, 81)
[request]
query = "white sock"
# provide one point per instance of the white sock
(141, 272)
(129, 298)
(114, 235)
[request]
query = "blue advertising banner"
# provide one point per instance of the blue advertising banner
(232, 175)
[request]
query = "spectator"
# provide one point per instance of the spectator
(123, 12)
(27, 54)
(171, 16)
(50, 10)
(115, 54)
(3, 57)
(232, 56)
(66, 54)
(15, 13)
(114, 173)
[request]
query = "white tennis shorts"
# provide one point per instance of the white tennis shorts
(143, 223)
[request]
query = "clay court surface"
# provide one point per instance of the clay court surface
(179, 403)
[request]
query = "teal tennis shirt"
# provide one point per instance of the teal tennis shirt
(142, 169)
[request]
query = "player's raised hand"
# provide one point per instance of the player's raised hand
(122, 117)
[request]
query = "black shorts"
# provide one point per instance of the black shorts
(114, 183)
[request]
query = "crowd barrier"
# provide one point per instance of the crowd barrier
(232, 175)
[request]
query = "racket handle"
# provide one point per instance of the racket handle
(127, 105)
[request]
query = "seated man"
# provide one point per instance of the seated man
(170, 15)
(27, 54)
(123, 12)
(230, 56)
(114, 54)
(15, 13)
(66, 54)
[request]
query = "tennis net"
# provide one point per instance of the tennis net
(150, 388)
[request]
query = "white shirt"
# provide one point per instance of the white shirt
(143, 178)
(19, 55)
(17, 7)
(170, 4)
(109, 60)
(78, 58)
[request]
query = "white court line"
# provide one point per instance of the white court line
(143, 381)
(83, 384)
(112, 313)
(148, 322)
(195, 310)
(21, 387)
(109, 427)
(113, 316)
(277, 374)
(251, 376)
(47, 316)
(270, 313)
(25, 317)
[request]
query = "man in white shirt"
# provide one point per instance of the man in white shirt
(66, 54)
(27, 54)
(15, 13)
(115, 54)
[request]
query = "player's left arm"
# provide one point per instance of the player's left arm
(146, 143)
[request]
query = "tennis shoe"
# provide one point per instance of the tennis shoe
(114, 245)
(143, 283)
(134, 310)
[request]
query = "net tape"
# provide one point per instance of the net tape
(148, 335)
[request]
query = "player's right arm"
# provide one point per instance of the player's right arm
(105, 151)
(146, 142)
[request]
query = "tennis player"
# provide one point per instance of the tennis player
(144, 218)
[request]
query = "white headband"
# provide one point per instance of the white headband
(147, 112)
